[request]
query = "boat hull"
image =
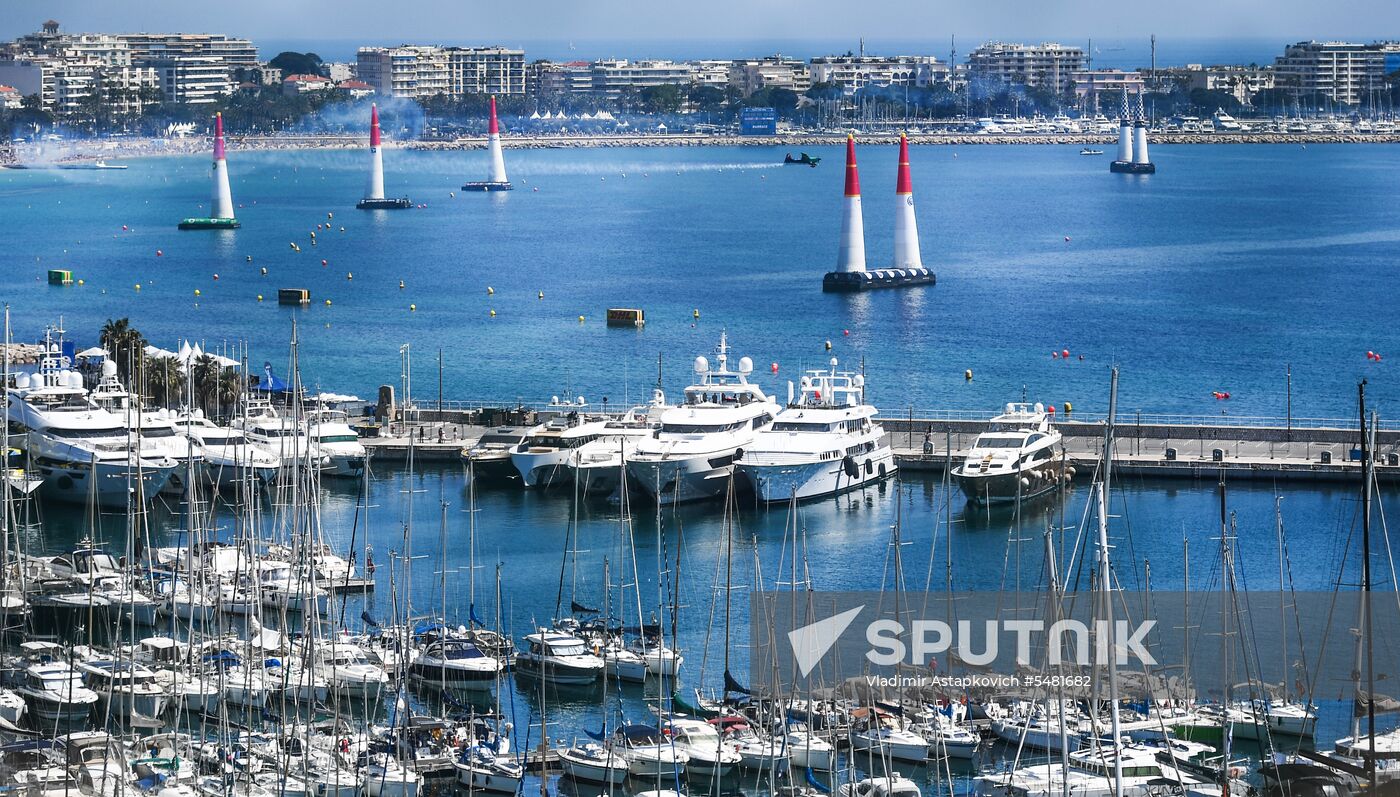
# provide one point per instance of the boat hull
(682, 479)
(487, 185)
(112, 482)
(1007, 488)
(772, 483)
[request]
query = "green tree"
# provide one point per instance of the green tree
(665, 98)
(298, 64)
(125, 346)
(164, 380)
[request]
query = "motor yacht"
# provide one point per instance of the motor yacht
(125, 689)
(598, 464)
(757, 751)
(892, 785)
(51, 688)
(80, 450)
(349, 672)
(692, 455)
(825, 442)
(339, 447)
(559, 658)
(885, 736)
(488, 459)
(1018, 458)
(709, 757)
(229, 459)
(481, 768)
(1091, 773)
(282, 437)
(542, 458)
(455, 663)
(648, 753)
(591, 762)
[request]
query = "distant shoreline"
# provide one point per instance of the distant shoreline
(52, 154)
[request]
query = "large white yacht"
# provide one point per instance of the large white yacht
(339, 447)
(692, 455)
(825, 442)
(79, 449)
(279, 436)
(157, 431)
(229, 458)
(1018, 458)
(542, 458)
(598, 464)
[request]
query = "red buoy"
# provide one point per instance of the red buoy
(1065, 354)
(845, 332)
(323, 262)
(159, 253)
(775, 368)
(1050, 409)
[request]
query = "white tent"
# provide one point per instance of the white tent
(95, 351)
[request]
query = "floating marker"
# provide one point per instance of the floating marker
(541, 296)
(497, 180)
(374, 191)
(851, 256)
(906, 229)
(260, 297)
(328, 302)
(412, 307)
(490, 291)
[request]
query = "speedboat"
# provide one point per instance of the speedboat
(1090, 151)
(482, 769)
(709, 756)
(591, 762)
(542, 458)
(559, 658)
(350, 672)
(884, 736)
(81, 451)
(488, 459)
(1018, 458)
(337, 445)
(53, 690)
(648, 753)
(824, 443)
(692, 455)
(598, 464)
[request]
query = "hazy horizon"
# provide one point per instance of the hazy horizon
(651, 25)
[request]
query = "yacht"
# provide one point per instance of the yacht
(542, 458)
(125, 689)
(893, 785)
(648, 753)
(591, 762)
(559, 658)
(229, 458)
(455, 663)
(52, 689)
(1018, 458)
(154, 430)
(884, 736)
(337, 444)
(824, 443)
(488, 459)
(598, 464)
(80, 451)
(1091, 774)
(708, 755)
(1226, 123)
(281, 437)
(481, 769)
(349, 672)
(692, 455)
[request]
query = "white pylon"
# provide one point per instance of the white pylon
(375, 188)
(851, 258)
(221, 203)
(906, 229)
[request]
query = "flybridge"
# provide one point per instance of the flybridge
(908, 268)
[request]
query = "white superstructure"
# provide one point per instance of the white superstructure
(825, 442)
(692, 455)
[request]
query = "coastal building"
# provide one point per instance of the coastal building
(612, 77)
(297, 85)
(194, 81)
(713, 73)
(1105, 85)
(339, 72)
(1242, 82)
(355, 89)
(1047, 65)
(427, 71)
(1342, 72)
(79, 87)
(774, 71)
(10, 98)
(553, 79)
(855, 72)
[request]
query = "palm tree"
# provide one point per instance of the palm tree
(124, 344)
(164, 379)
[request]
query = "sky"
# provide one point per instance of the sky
(640, 28)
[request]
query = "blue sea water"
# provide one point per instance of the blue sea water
(1218, 273)
(1230, 264)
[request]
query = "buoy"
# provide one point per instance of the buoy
(400, 284)
(541, 294)
(323, 261)
(123, 228)
(264, 271)
(138, 286)
(260, 297)
(1066, 237)
(452, 193)
(412, 307)
(493, 313)
(1065, 353)
(580, 319)
(967, 374)
(536, 189)
(490, 291)
(250, 258)
(846, 332)
(1050, 409)
(216, 276)
(196, 291)
(1054, 355)
(328, 302)
(349, 275)
(1068, 407)
(80, 282)
(828, 345)
(159, 253)
(695, 314)
(342, 229)
(330, 215)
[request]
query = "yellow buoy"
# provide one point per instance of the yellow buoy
(260, 297)
(695, 313)
(328, 302)
(493, 313)
(196, 291)
(580, 319)
(80, 282)
(138, 286)
(412, 307)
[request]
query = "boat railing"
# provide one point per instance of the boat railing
(1146, 419)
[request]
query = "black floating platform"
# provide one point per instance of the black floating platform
(1128, 167)
(855, 281)
(209, 224)
(384, 204)
(487, 186)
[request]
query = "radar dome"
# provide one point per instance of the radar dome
(702, 365)
(745, 365)
(22, 381)
(858, 381)
(581, 401)
(109, 368)
(75, 379)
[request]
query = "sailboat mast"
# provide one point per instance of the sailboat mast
(1106, 584)
(1368, 476)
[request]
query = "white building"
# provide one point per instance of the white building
(1340, 71)
(774, 71)
(1241, 81)
(1048, 65)
(192, 80)
(614, 76)
(426, 71)
(853, 72)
